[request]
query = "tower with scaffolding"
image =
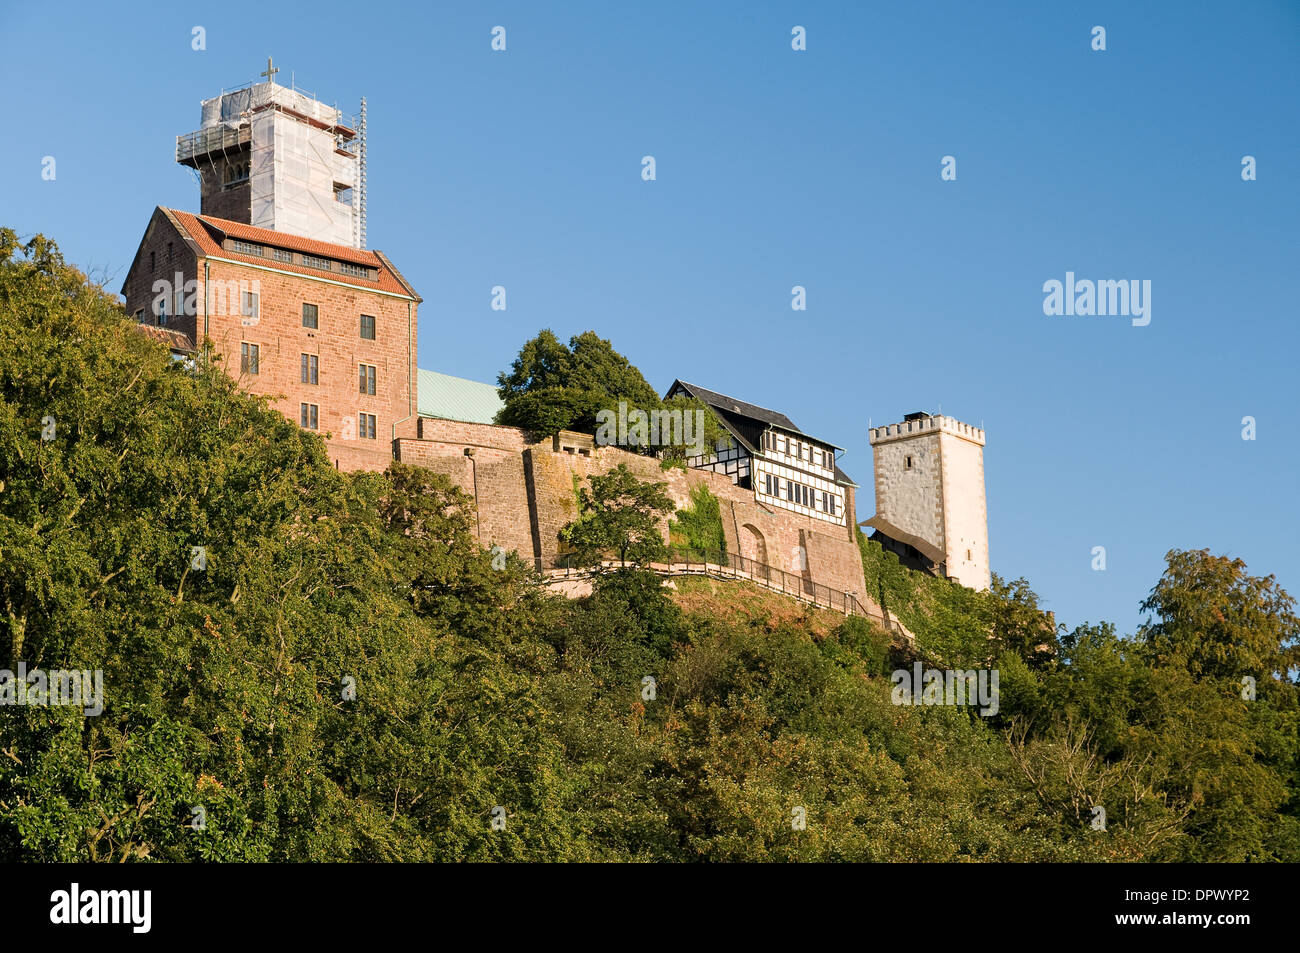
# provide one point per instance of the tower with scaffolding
(276, 157)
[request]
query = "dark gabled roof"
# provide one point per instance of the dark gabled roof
(746, 422)
(732, 406)
(924, 547)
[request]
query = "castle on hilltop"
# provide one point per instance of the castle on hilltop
(273, 279)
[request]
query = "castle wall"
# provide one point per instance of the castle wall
(493, 475)
(527, 493)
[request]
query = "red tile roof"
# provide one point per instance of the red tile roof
(176, 340)
(209, 232)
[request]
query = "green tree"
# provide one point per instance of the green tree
(552, 387)
(618, 515)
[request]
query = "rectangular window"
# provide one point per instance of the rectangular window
(359, 271)
(789, 490)
(160, 318)
(280, 254)
(249, 362)
(310, 369)
(368, 327)
(832, 510)
(367, 378)
(368, 428)
(249, 304)
(139, 315)
(247, 248)
(309, 416)
(310, 316)
(311, 261)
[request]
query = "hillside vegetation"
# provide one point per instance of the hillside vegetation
(344, 675)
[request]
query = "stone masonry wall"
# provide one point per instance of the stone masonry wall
(527, 493)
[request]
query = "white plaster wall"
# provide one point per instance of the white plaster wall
(965, 514)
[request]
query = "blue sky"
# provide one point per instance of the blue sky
(778, 168)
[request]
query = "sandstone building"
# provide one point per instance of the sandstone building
(328, 330)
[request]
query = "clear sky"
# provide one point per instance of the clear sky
(778, 168)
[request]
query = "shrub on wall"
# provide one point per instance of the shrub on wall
(697, 531)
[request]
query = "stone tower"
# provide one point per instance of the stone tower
(274, 157)
(930, 490)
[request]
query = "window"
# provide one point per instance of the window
(311, 261)
(279, 254)
(249, 304)
(248, 248)
(968, 555)
(309, 416)
(768, 488)
(368, 327)
(249, 360)
(367, 426)
(160, 316)
(789, 490)
(310, 316)
(360, 271)
(907, 463)
(367, 378)
(832, 507)
(310, 369)
(139, 315)
(806, 496)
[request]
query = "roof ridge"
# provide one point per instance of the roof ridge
(729, 397)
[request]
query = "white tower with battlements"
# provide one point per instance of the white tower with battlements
(930, 491)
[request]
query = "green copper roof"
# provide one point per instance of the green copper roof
(455, 398)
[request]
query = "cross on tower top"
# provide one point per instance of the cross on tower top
(270, 71)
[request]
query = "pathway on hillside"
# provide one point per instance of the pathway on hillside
(576, 582)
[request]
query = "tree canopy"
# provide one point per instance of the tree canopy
(300, 664)
(552, 387)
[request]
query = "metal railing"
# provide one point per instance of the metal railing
(211, 139)
(733, 566)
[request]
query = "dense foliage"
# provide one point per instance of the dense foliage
(346, 676)
(552, 387)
